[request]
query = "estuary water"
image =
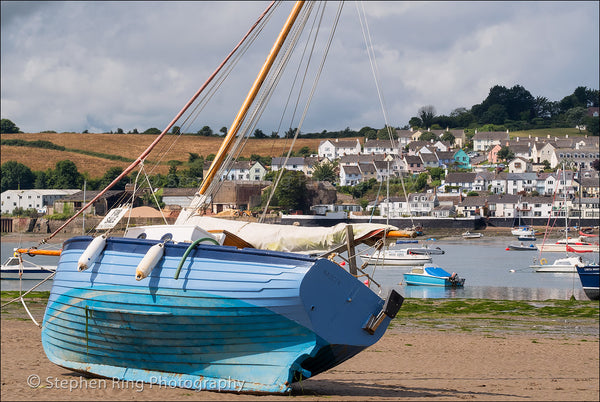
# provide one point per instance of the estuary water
(491, 272)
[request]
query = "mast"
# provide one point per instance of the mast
(226, 145)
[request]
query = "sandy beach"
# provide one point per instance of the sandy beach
(556, 361)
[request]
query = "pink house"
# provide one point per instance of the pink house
(492, 155)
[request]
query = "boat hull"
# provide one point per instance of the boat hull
(404, 261)
(236, 320)
(590, 280)
(556, 248)
(428, 280)
(555, 268)
(32, 273)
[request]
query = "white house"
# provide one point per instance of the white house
(246, 170)
(394, 207)
(484, 140)
(350, 175)
(337, 148)
(26, 199)
(520, 165)
(385, 147)
(458, 182)
(293, 163)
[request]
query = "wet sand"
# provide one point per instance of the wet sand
(408, 363)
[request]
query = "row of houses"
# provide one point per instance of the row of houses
(581, 151)
(560, 182)
(494, 205)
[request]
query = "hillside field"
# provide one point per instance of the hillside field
(131, 146)
(170, 148)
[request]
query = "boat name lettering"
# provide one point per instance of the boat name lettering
(331, 277)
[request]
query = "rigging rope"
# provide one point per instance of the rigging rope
(362, 16)
(316, 80)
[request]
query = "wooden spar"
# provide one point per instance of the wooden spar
(226, 145)
(166, 130)
(35, 251)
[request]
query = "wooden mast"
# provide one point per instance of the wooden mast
(226, 145)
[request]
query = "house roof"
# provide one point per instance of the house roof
(478, 200)
(491, 135)
(351, 170)
(460, 177)
(412, 159)
(503, 199)
(294, 160)
(385, 144)
(429, 158)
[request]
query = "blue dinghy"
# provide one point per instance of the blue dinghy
(235, 320)
(432, 276)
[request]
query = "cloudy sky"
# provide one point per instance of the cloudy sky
(72, 66)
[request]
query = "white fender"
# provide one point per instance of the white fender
(91, 253)
(149, 261)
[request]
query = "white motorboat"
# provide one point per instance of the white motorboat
(566, 265)
(523, 231)
(17, 268)
(397, 257)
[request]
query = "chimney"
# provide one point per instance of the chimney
(517, 137)
(548, 136)
(536, 138)
(337, 139)
(529, 135)
(567, 136)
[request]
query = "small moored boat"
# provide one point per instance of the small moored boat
(432, 276)
(469, 235)
(561, 265)
(17, 268)
(522, 247)
(396, 257)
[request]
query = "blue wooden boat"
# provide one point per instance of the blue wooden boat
(235, 320)
(200, 307)
(432, 276)
(589, 275)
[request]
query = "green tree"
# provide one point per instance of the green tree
(325, 171)
(592, 125)
(152, 130)
(291, 192)
(176, 130)
(447, 136)
(575, 116)
(437, 173)
(415, 122)
(505, 153)
(258, 133)
(108, 177)
(223, 131)
(426, 114)
(16, 176)
(8, 127)
(421, 182)
(428, 136)
(65, 176)
(205, 131)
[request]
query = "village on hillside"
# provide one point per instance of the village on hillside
(501, 177)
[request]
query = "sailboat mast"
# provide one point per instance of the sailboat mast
(226, 145)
